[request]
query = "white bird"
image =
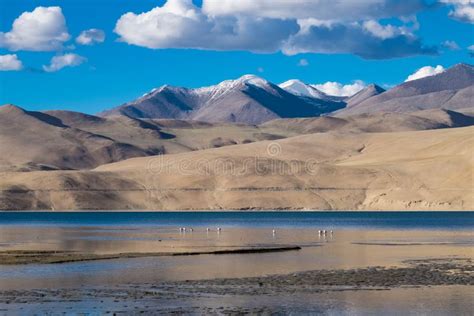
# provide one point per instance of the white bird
(207, 229)
(325, 232)
(274, 232)
(320, 232)
(191, 230)
(218, 229)
(331, 232)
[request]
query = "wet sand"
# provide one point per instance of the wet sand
(147, 297)
(16, 257)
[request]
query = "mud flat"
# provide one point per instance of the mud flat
(231, 295)
(422, 272)
(44, 257)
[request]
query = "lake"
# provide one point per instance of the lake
(359, 240)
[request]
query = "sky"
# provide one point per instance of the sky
(91, 55)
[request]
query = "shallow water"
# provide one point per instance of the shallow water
(359, 220)
(359, 240)
(439, 300)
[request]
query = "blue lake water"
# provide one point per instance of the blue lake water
(360, 239)
(336, 220)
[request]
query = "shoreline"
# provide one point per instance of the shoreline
(24, 257)
(286, 210)
(417, 274)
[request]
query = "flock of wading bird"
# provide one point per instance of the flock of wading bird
(218, 230)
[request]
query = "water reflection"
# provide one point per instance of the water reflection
(342, 249)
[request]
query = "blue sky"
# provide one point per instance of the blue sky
(114, 71)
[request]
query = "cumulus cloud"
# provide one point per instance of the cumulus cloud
(390, 31)
(10, 62)
(425, 72)
(463, 13)
(180, 24)
(339, 89)
(354, 38)
(43, 29)
(348, 10)
(61, 61)
(451, 45)
(278, 25)
(462, 10)
(90, 37)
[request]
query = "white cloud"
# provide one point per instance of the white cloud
(303, 62)
(452, 45)
(388, 31)
(90, 37)
(470, 49)
(339, 89)
(463, 13)
(347, 10)
(61, 61)
(10, 62)
(381, 31)
(180, 24)
(425, 72)
(354, 38)
(462, 10)
(43, 29)
(269, 26)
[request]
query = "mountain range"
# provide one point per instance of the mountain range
(452, 89)
(376, 149)
(66, 140)
(254, 100)
(249, 99)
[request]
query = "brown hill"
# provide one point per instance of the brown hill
(421, 170)
(376, 122)
(72, 140)
(35, 140)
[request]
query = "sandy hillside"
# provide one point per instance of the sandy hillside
(415, 170)
(375, 123)
(70, 140)
(65, 140)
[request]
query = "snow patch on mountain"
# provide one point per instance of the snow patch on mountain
(300, 88)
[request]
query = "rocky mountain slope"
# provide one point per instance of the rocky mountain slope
(249, 99)
(368, 92)
(254, 100)
(452, 89)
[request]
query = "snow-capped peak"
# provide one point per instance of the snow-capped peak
(230, 85)
(253, 80)
(300, 88)
(163, 88)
